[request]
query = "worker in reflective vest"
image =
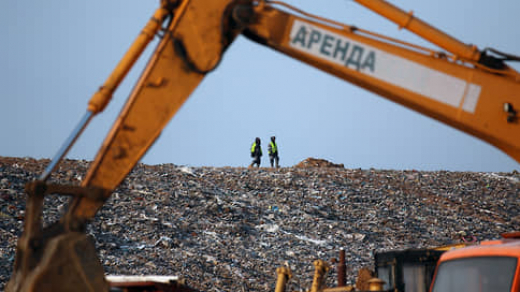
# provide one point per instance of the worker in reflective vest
(256, 153)
(273, 152)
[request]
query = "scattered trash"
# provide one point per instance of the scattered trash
(313, 163)
(222, 228)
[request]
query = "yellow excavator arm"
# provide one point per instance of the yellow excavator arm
(189, 49)
(464, 87)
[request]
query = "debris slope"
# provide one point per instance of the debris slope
(228, 229)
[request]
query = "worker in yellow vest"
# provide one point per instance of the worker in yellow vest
(273, 152)
(256, 153)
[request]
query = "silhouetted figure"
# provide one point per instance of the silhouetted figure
(273, 152)
(256, 153)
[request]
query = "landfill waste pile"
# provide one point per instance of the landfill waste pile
(228, 229)
(313, 162)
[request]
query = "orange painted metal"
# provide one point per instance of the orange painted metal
(102, 97)
(192, 46)
(506, 247)
(487, 120)
(421, 28)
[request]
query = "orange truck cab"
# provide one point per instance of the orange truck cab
(492, 266)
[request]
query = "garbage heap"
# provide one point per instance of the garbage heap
(228, 229)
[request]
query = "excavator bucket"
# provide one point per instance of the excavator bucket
(68, 263)
(55, 258)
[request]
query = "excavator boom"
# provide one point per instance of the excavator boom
(468, 96)
(188, 50)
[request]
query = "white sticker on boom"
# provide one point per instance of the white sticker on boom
(379, 64)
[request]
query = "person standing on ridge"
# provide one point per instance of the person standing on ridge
(273, 152)
(256, 153)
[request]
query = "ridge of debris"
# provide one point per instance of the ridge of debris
(228, 229)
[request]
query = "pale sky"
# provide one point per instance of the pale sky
(55, 54)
